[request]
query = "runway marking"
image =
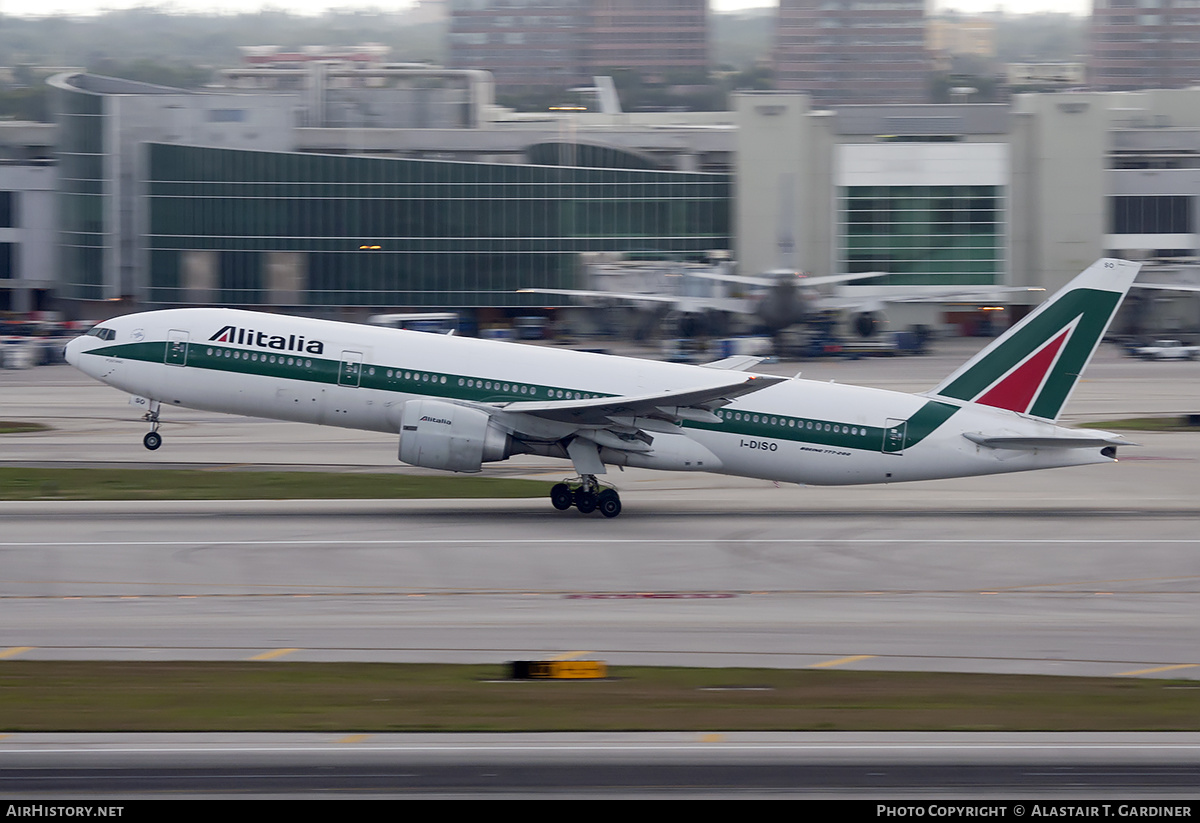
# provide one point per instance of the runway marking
(272, 655)
(355, 738)
(841, 661)
(1159, 669)
(663, 541)
(268, 590)
(13, 651)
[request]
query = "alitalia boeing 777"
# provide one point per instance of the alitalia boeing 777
(457, 403)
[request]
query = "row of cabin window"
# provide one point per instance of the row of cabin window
(791, 423)
(237, 354)
(487, 385)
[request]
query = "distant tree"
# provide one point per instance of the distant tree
(172, 38)
(1039, 38)
(26, 103)
(742, 40)
(150, 71)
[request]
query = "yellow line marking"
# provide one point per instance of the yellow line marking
(841, 661)
(1159, 669)
(273, 654)
(15, 650)
(712, 738)
(354, 738)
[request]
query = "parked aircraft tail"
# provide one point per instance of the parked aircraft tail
(1034, 366)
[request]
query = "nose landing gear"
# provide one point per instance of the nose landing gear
(153, 439)
(587, 495)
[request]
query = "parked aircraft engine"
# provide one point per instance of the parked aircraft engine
(439, 435)
(866, 323)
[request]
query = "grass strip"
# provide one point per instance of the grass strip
(212, 484)
(21, 426)
(48, 696)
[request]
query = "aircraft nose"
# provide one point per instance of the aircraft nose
(72, 349)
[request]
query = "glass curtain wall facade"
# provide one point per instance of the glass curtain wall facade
(354, 231)
(924, 235)
(85, 239)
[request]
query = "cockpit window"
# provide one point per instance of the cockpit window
(102, 333)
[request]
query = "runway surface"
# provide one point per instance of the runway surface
(1092, 570)
(1011, 591)
(1089, 571)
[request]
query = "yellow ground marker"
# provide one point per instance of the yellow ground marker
(14, 651)
(841, 661)
(354, 738)
(273, 654)
(1159, 669)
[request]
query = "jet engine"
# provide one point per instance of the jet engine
(439, 435)
(866, 323)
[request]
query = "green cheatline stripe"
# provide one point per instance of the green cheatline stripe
(812, 431)
(1093, 307)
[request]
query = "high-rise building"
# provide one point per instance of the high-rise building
(560, 43)
(1144, 44)
(657, 38)
(853, 51)
(539, 43)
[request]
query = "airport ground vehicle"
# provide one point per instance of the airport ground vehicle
(1167, 350)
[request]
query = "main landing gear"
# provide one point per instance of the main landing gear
(586, 494)
(153, 439)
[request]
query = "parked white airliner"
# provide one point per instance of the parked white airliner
(457, 403)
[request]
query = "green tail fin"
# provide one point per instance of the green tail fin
(1034, 366)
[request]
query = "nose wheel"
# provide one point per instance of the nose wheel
(586, 495)
(153, 439)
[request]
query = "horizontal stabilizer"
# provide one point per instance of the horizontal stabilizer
(1030, 443)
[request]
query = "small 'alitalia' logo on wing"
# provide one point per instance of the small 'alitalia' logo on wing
(263, 340)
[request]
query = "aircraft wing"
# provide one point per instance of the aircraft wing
(738, 362)
(668, 406)
(873, 302)
(1165, 287)
(632, 425)
(800, 280)
(681, 302)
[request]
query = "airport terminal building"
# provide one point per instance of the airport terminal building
(176, 198)
(171, 198)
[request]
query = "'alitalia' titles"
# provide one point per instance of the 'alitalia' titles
(263, 340)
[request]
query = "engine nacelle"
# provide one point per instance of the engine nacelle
(439, 435)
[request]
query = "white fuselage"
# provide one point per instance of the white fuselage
(356, 376)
